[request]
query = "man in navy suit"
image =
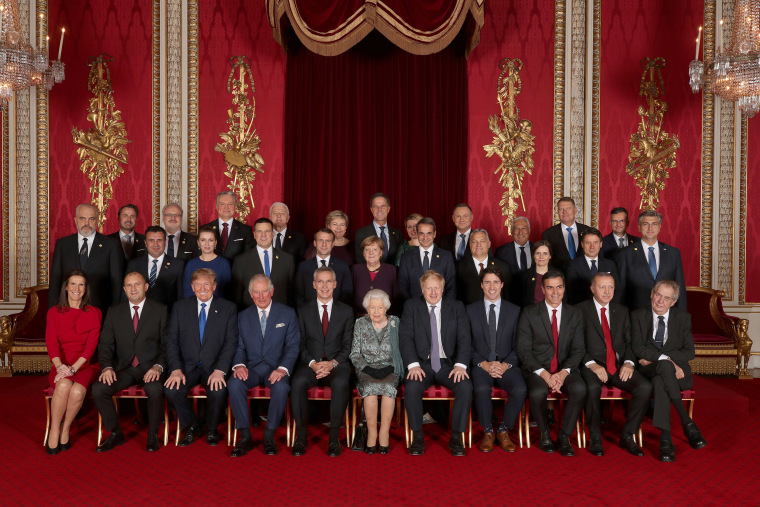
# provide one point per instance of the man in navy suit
(164, 274)
(380, 206)
(286, 239)
(132, 243)
(614, 242)
(493, 323)
(585, 266)
(517, 253)
(179, 244)
(468, 270)
(565, 237)
(419, 260)
(200, 344)
(305, 291)
(266, 354)
(232, 236)
(458, 242)
(434, 341)
(642, 264)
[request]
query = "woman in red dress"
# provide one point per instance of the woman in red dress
(71, 336)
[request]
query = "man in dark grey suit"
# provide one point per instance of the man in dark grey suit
(662, 340)
(614, 242)
(132, 352)
(517, 253)
(164, 274)
(286, 239)
(305, 291)
(550, 347)
(233, 237)
(132, 243)
(565, 237)
(434, 340)
(200, 344)
(179, 244)
(469, 269)
(585, 266)
(97, 255)
(327, 331)
(458, 242)
(380, 206)
(419, 260)
(642, 264)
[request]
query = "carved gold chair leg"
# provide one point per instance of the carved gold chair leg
(691, 409)
(641, 437)
(166, 423)
(520, 426)
(526, 418)
(348, 430)
(406, 427)
(229, 424)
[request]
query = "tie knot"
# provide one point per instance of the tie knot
(171, 236)
(569, 229)
(382, 228)
(85, 240)
(461, 236)
(661, 318)
(432, 308)
(225, 225)
(651, 249)
(203, 306)
(493, 305)
(604, 310)
(136, 307)
(554, 312)
(324, 307)
(426, 253)
(155, 261)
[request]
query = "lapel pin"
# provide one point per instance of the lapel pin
(168, 264)
(100, 246)
(276, 256)
(216, 311)
(437, 256)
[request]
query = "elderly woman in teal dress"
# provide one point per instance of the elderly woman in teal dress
(377, 360)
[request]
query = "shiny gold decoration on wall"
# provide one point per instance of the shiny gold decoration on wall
(102, 148)
(653, 151)
(513, 141)
(240, 144)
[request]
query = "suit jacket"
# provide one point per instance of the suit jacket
(168, 288)
(610, 247)
(187, 247)
(410, 272)
(554, 235)
(535, 341)
(282, 275)
(239, 239)
(468, 279)
(415, 337)
(579, 278)
(104, 268)
(620, 333)
(636, 278)
(506, 333)
(305, 280)
(184, 350)
(293, 243)
(449, 242)
(395, 238)
(507, 254)
(679, 345)
(385, 280)
(340, 332)
(138, 247)
(277, 347)
(119, 343)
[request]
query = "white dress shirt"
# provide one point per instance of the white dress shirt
(282, 234)
(574, 232)
(645, 249)
(617, 239)
(261, 258)
(607, 316)
(478, 263)
(459, 240)
(320, 259)
(229, 226)
(321, 313)
(90, 241)
(174, 241)
(589, 259)
(430, 258)
(442, 354)
(528, 256)
(377, 229)
(559, 319)
(655, 322)
(160, 263)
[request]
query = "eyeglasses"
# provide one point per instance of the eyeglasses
(173, 215)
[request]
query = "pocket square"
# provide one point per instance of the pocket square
(238, 239)
(281, 324)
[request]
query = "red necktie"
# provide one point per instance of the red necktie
(135, 321)
(611, 369)
(225, 237)
(325, 321)
(481, 267)
(554, 364)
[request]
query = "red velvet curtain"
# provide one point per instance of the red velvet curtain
(375, 119)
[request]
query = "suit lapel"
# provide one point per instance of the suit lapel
(426, 319)
(664, 262)
(597, 320)
(639, 250)
(544, 312)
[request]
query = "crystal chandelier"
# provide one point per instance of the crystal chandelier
(21, 65)
(735, 72)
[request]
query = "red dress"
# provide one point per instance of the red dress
(71, 334)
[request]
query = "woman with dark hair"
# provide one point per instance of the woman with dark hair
(411, 231)
(528, 282)
(71, 336)
(208, 259)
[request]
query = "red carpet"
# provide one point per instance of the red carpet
(726, 411)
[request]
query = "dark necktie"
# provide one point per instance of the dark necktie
(610, 360)
(384, 237)
(571, 248)
(435, 351)
(135, 322)
(170, 247)
(425, 263)
(659, 336)
(460, 250)
(324, 263)
(492, 331)
(202, 321)
(523, 258)
(278, 243)
(325, 320)
(621, 242)
(128, 245)
(153, 273)
(481, 267)
(555, 333)
(225, 236)
(83, 256)
(594, 269)
(267, 271)
(652, 263)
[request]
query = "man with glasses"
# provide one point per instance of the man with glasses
(179, 244)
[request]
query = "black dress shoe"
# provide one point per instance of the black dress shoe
(212, 437)
(563, 444)
(54, 450)
(418, 446)
(152, 445)
(696, 440)
(270, 448)
(114, 439)
(455, 446)
(299, 446)
(595, 447)
(545, 442)
(243, 446)
(667, 452)
(190, 435)
(383, 449)
(334, 449)
(629, 444)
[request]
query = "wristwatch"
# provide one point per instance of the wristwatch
(334, 363)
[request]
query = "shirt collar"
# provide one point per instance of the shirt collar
(488, 304)
(90, 239)
(599, 306)
(589, 259)
(466, 233)
(429, 250)
(261, 250)
(437, 305)
(228, 222)
(549, 308)
(283, 232)
(320, 259)
(574, 226)
(139, 305)
(208, 303)
(123, 234)
(667, 314)
(268, 309)
(320, 303)
(160, 260)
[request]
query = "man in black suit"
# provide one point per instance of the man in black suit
(517, 253)
(132, 243)
(132, 352)
(232, 236)
(97, 255)
(662, 340)
(493, 323)
(164, 275)
(266, 355)
(565, 237)
(179, 244)
(327, 331)
(418, 260)
(585, 266)
(287, 240)
(550, 347)
(642, 264)
(200, 345)
(380, 206)
(469, 269)
(434, 341)
(614, 242)
(458, 242)
(305, 290)
(609, 360)
(263, 260)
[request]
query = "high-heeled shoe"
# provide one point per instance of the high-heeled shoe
(66, 446)
(383, 449)
(370, 449)
(54, 450)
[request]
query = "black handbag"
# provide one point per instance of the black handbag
(360, 440)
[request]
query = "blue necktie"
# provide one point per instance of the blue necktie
(425, 263)
(202, 321)
(659, 336)
(384, 237)
(435, 351)
(652, 263)
(460, 250)
(170, 247)
(594, 269)
(153, 272)
(571, 243)
(523, 258)
(263, 322)
(266, 262)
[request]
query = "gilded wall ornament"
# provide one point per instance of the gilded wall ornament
(102, 149)
(653, 151)
(240, 144)
(513, 142)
